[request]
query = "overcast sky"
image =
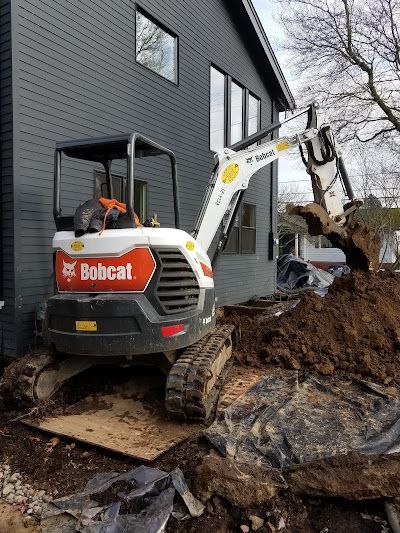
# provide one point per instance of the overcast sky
(290, 169)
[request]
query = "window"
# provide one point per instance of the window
(235, 113)
(320, 241)
(119, 190)
(156, 47)
(232, 245)
(217, 110)
(248, 233)
(254, 115)
(243, 235)
(237, 130)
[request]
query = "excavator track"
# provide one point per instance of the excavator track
(195, 380)
(18, 383)
(38, 375)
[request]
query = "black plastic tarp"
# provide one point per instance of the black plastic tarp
(149, 493)
(294, 273)
(287, 419)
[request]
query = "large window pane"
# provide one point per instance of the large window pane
(156, 49)
(254, 115)
(236, 113)
(248, 230)
(232, 244)
(217, 110)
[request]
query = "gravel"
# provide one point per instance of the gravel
(15, 492)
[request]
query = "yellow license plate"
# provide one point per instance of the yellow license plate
(85, 325)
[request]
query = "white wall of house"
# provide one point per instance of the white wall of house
(310, 252)
(321, 255)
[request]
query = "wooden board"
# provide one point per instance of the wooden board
(133, 420)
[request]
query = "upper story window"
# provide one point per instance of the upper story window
(254, 115)
(156, 47)
(237, 130)
(217, 110)
(235, 113)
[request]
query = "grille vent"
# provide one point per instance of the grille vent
(177, 288)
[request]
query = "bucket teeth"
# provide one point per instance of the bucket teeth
(195, 380)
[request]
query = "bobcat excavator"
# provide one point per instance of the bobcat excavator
(145, 295)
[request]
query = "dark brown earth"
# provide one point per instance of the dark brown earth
(359, 242)
(354, 331)
(65, 467)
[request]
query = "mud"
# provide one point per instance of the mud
(354, 331)
(12, 521)
(359, 242)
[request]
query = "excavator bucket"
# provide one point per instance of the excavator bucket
(360, 243)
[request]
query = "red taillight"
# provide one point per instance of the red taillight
(206, 270)
(168, 331)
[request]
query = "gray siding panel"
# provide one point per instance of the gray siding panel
(77, 80)
(7, 314)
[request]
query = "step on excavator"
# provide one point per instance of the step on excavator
(133, 295)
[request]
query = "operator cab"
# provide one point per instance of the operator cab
(103, 151)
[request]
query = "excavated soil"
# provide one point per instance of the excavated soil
(359, 242)
(354, 331)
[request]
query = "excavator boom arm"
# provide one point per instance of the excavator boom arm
(235, 169)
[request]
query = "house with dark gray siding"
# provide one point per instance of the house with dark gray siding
(191, 75)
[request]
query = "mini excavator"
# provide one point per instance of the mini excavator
(133, 295)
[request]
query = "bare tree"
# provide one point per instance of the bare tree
(288, 226)
(347, 55)
(377, 183)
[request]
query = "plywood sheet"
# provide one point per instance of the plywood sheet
(133, 420)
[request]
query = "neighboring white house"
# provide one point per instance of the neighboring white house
(320, 252)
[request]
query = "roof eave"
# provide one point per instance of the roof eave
(289, 102)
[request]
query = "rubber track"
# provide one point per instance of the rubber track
(17, 384)
(188, 377)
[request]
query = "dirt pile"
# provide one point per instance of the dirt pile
(353, 331)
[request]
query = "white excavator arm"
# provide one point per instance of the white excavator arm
(235, 168)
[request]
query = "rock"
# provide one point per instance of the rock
(326, 368)
(20, 499)
(10, 498)
(352, 476)
(256, 522)
(245, 528)
(243, 485)
(8, 489)
(282, 524)
(18, 484)
(15, 477)
(46, 498)
(19, 492)
(29, 511)
(41, 493)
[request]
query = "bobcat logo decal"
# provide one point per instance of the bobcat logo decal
(69, 270)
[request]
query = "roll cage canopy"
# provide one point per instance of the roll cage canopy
(104, 150)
